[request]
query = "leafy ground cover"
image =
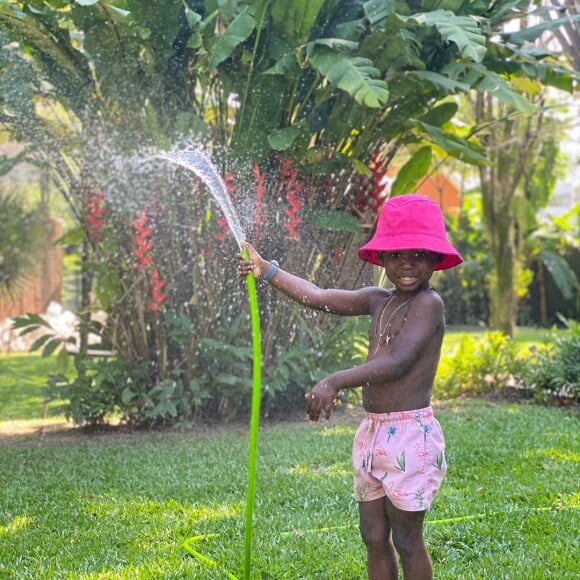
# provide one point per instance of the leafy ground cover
(22, 376)
(524, 337)
(121, 505)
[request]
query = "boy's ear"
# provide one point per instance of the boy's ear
(440, 258)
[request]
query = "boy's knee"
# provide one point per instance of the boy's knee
(374, 534)
(374, 525)
(407, 540)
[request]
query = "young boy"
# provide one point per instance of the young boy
(398, 451)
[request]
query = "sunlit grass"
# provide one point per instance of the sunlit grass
(22, 377)
(120, 506)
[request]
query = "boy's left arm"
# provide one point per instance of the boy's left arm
(423, 318)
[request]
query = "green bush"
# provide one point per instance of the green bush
(479, 366)
(554, 372)
(93, 397)
(318, 350)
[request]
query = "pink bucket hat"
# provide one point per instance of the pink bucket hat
(411, 222)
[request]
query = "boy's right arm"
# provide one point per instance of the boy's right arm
(344, 302)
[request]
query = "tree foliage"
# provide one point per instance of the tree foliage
(304, 102)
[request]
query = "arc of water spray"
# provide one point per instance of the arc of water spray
(197, 161)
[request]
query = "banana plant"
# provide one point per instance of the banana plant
(295, 92)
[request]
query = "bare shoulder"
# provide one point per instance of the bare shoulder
(376, 296)
(429, 298)
(429, 302)
(370, 299)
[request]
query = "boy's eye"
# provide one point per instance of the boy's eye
(420, 254)
(394, 254)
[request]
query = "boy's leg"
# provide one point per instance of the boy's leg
(407, 530)
(375, 531)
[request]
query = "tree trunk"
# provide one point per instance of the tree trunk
(510, 143)
(498, 214)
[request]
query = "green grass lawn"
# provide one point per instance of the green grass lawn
(22, 377)
(121, 506)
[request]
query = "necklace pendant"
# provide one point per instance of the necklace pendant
(388, 340)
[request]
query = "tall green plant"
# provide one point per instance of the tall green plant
(306, 103)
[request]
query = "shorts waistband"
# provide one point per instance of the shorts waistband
(425, 413)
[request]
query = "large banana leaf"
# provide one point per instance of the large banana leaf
(355, 75)
(463, 31)
(331, 220)
(534, 32)
(409, 175)
(479, 77)
(454, 145)
(237, 32)
(503, 90)
(294, 20)
(449, 86)
(564, 277)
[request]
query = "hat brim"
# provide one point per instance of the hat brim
(370, 251)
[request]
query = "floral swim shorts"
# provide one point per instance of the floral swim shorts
(401, 456)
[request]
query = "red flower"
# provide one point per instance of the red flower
(223, 223)
(378, 192)
(294, 191)
(95, 214)
(260, 194)
(293, 221)
(372, 190)
(142, 245)
(230, 182)
(157, 297)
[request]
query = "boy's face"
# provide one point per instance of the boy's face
(409, 270)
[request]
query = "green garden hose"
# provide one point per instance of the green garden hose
(255, 417)
(197, 160)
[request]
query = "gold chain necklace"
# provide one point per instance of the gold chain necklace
(380, 333)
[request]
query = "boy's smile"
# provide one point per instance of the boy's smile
(409, 270)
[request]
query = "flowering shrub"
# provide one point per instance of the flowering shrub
(180, 353)
(372, 189)
(259, 200)
(293, 188)
(95, 204)
(142, 246)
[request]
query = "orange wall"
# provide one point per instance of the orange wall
(439, 188)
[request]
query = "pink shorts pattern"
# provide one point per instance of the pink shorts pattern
(401, 456)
